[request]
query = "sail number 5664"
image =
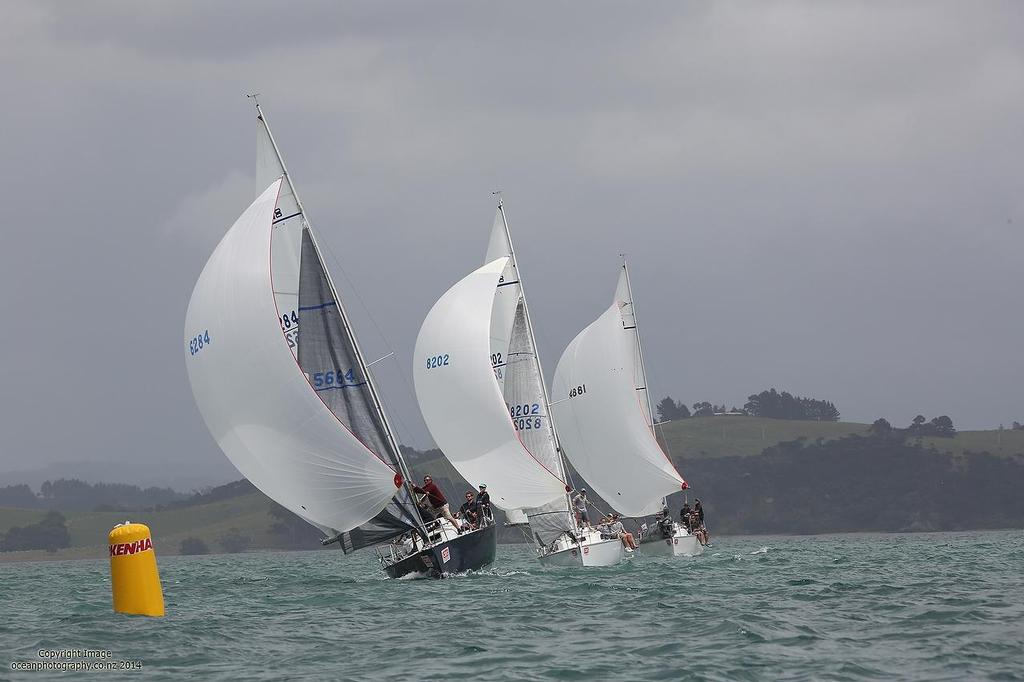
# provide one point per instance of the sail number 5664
(437, 361)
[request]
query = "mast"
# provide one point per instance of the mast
(536, 357)
(639, 344)
(371, 385)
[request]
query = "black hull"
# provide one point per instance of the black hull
(468, 552)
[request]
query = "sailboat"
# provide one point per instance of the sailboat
(480, 387)
(604, 416)
(285, 390)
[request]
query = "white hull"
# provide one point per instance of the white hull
(592, 550)
(680, 544)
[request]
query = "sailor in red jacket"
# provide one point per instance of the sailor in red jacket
(437, 501)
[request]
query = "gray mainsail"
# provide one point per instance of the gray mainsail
(328, 357)
(524, 395)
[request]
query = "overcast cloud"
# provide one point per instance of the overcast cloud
(822, 197)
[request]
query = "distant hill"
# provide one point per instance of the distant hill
(728, 436)
(249, 513)
(754, 475)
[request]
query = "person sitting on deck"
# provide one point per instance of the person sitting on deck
(470, 512)
(437, 501)
(619, 531)
(579, 503)
(483, 502)
(605, 528)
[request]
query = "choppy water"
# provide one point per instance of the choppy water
(932, 606)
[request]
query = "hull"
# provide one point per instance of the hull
(467, 552)
(681, 544)
(591, 552)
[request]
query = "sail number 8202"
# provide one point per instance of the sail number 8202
(437, 361)
(525, 417)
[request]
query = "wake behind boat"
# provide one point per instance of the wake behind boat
(299, 414)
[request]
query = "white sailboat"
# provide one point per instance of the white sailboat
(299, 415)
(481, 390)
(605, 420)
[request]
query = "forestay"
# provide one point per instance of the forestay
(256, 402)
(462, 403)
(602, 420)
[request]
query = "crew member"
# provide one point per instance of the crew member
(469, 511)
(483, 502)
(436, 499)
(579, 503)
(684, 516)
(619, 530)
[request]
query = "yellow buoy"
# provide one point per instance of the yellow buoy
(134, 579)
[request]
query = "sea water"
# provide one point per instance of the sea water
(849, 607)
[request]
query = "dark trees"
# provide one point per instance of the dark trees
(784, 405)
(669, 410)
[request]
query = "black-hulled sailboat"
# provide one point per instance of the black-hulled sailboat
(284, 388)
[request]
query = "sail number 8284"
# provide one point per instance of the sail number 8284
(198, 341)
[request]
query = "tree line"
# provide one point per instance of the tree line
(768, 403)
(49, 533)
(875, 482)
(941, 427)
(72, 494)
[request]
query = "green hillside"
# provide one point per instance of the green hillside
(249, 513)
(727, 436)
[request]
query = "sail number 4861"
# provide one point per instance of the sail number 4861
(437, 361)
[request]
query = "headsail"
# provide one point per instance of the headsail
(603, 418)
(256, 402)
(524, 396)
(517, 368)
(331, 363)
(506, 297)
(625, 298)
(288, 228)
(461, 402)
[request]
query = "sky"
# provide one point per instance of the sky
(825, 198)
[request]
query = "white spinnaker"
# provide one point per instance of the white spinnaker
(506, 297)
(254, 399)
(603, 428)
(461, 402)
(288, 223)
